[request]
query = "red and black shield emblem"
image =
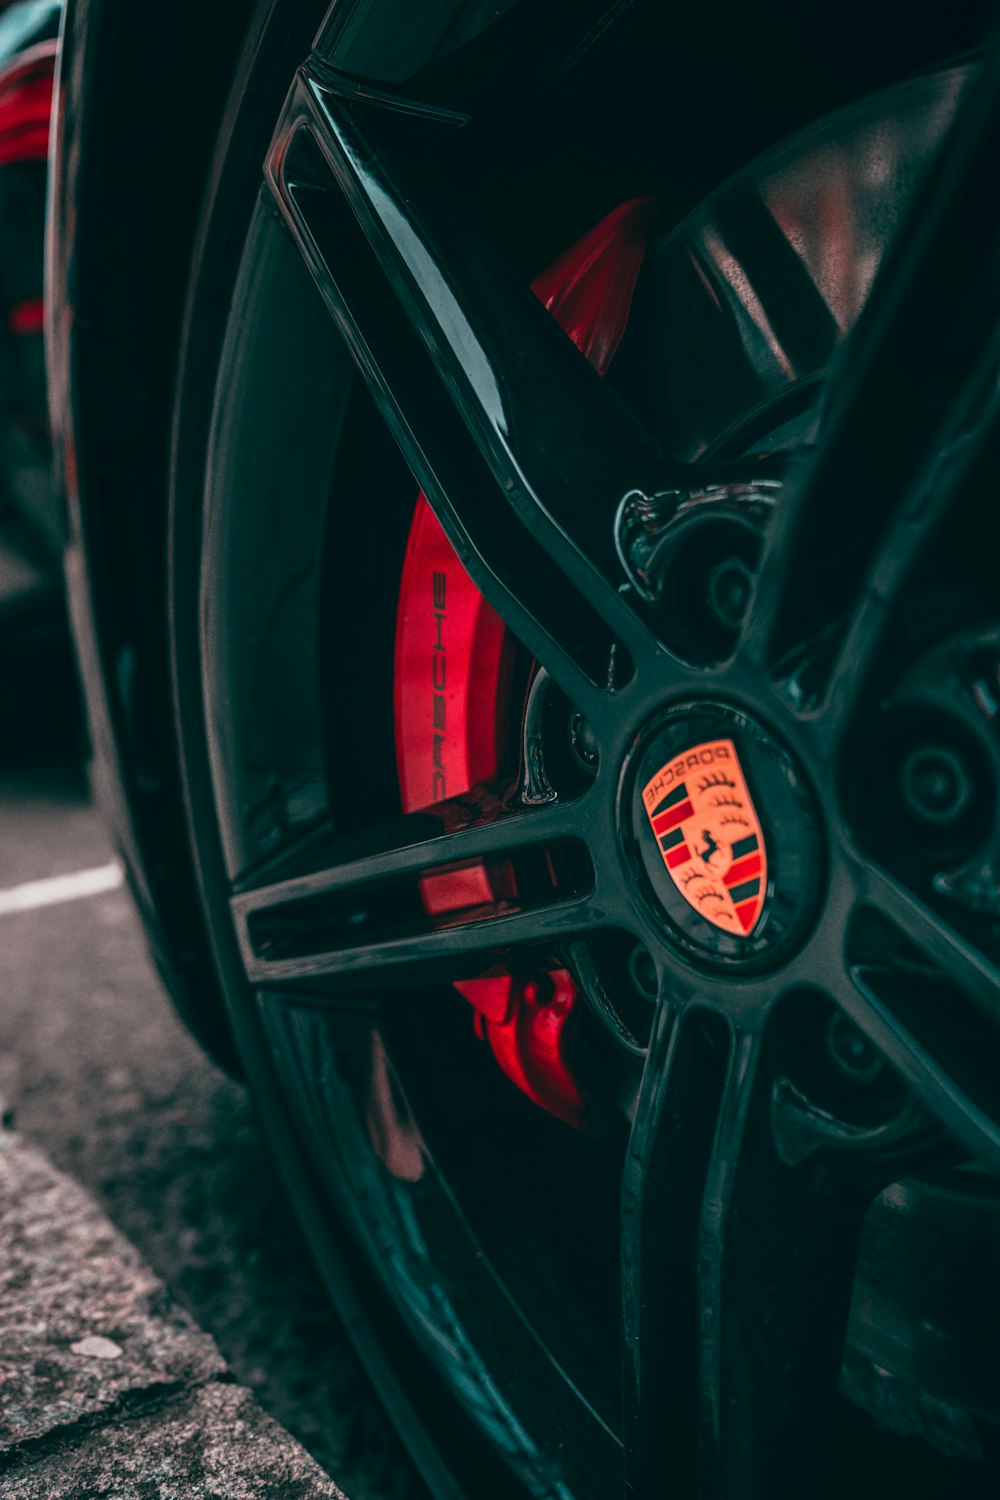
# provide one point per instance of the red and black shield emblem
(709, 834)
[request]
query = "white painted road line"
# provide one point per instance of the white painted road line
(59, 888)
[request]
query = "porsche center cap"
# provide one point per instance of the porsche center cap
(726, 829)
(708, 831)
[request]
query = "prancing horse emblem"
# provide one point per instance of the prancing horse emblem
(709, 835)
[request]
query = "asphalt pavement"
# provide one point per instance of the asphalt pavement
(110, 1389)
(96, 1069)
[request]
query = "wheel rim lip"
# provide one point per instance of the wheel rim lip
(593, 1435)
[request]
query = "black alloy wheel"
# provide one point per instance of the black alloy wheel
(755, 563)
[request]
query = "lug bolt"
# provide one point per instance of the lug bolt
(583, 742)
(935, 784)
(852, 1052)
(642, 972)
(730, 585)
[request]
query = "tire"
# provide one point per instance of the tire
(772, 1103)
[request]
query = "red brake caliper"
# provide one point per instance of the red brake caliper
(454, 674)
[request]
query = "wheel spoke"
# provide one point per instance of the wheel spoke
(908, 410)
(522, 449)
(930, 1009)
(523, 44)
(737, 1276)
(936, 940)
(499, 941)
(798, 326)
(348, 911)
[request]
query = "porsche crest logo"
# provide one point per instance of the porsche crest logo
(709, 834)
